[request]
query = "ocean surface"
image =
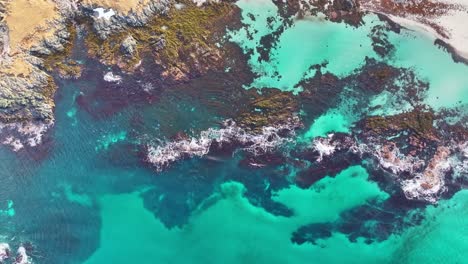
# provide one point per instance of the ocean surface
(85, 196)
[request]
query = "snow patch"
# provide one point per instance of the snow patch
(103, 13)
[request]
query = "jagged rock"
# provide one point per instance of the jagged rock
(129, 46)
(54, 44)
(119, 22)
(158, 42)
(3, 39)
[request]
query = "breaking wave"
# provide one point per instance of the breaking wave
(6, 255)
(270, 138)
(427, 178)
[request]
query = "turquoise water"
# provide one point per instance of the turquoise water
(87, 196)
(343, 47)
(232, 230)
(313, 41)
(9, 209)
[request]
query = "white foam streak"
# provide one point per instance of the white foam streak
(18, 135)
(267, 140)
(324, 147)
(22, 257)
(428, 180)
(4, 252)
(111, 77)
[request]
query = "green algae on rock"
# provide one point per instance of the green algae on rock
(60, 61)
(417, 121)
(270, 108)
(184, 42)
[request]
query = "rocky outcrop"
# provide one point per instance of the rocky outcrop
(106, 26)
(26, 88)
(183, 39)
(272, 107)
(128, 46)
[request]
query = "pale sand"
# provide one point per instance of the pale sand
(453, 23)
(455, 26)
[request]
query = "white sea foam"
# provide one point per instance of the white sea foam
(14, 143)
(22, 257)
(111, 77)
(459, 163)
(428, 179)
(18, 135)
(4, 252)
(431, 182)
(34, 132)
(324, 147)
(179, 6)
(201, 2)
(256, 143)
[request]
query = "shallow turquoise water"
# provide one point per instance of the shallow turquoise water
(251, 234)
(314, 41)
(89, 199)
(232, 230)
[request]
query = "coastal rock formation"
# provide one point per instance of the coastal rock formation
(26, 90)
(181, 39)
(34, 48)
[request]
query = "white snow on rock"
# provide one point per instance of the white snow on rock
(201, 2)
(103, 13)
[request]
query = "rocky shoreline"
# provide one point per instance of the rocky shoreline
(185, 40)
(26, 98)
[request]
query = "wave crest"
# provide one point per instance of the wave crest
(267, 140)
